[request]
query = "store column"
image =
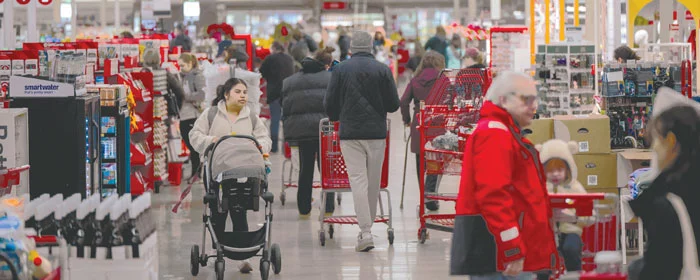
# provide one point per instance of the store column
(32, 32)
(207, 8)
(666, 19)
(117, 19)
(8, 29)
(455, 12)
(74, 19)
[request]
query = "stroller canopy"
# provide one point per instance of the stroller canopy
(236, 158)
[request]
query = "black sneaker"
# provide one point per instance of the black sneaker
(432, 205)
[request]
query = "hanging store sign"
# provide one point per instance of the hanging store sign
(334, 5)
(23, 2)
(688, 15)
(45, 2)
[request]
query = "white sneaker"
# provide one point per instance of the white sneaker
(245, 267)
(364, 242)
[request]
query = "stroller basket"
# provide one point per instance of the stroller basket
(242, 245)
(239, 195)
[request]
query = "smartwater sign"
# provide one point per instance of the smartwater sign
(24, 87)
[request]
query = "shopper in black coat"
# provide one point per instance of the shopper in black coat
(302, 110)
(438, 42)
(361, 93)
(676, 142)
(275, 68)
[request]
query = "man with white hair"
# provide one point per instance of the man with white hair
(502, 229)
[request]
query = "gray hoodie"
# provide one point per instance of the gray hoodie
(193, 84)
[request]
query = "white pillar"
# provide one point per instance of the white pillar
(666, 19)
(56, 5)
(471, 12)
(495, 9)
(8, 28)
(117, 17)
(103, 14)
(356, 13)
(32, 32)
(455, 12)
(74, 19)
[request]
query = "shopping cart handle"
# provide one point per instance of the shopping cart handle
(582, 203)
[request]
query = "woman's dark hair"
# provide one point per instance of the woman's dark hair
(325, 55)
(625, 53)
(222, 90)
(684, 122)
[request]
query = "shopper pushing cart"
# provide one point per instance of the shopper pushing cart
(361, 93)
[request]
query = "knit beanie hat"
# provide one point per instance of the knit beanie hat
(361, 42)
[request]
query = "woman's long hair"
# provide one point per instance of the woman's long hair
(684, 122)
(431, 59)
(222, 90)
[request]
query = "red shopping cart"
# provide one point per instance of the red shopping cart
(10, 177)
(451, 108)
(288, 175)
(599, 211)
(334, 178)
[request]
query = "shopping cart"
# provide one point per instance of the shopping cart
(451, 108)
(10, 177)
(288, 175)
(600, 211)
(334, 178)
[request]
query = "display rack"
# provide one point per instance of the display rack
(160, 127)
(509, 49)
(628, 90)
(566, 79)
(141, 146)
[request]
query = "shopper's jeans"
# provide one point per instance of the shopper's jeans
(308, 153)
(430, 184)
(363, 162)
(275, 115)
(185, 128)
(571, 247)
(500, 276)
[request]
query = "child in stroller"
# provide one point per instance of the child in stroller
(211, 135)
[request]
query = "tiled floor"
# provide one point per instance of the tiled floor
(302, 255)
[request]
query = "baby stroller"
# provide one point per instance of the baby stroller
(235, 179)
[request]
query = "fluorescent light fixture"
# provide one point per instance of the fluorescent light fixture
(378, 23)
(66, 11)
(190, 9)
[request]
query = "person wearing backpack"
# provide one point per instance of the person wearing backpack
(229, 115)
(675, 133)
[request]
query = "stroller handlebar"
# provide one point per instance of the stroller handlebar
(213, 145)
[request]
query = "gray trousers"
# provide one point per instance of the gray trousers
(363, 161)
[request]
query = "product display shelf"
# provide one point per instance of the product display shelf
(507, 46)
(141, 145)
(160, 127)
(628, 91)
(566, 79)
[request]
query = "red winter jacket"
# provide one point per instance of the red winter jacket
(503, 211)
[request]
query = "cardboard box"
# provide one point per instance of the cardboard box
(597, 171)
(539, 131)
(592, 133)
(628, 161)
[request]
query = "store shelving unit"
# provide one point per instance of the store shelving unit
(507, 45)
(566, 79)
(160, 128)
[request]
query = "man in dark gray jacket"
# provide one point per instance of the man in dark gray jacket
(361, 93)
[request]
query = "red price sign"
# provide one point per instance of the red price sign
(334, 5)
(23, 2)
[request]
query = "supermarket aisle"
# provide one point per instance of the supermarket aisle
(302, 255)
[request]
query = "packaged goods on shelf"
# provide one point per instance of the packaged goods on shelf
(510, 47)
(14, 143)
(566, 79)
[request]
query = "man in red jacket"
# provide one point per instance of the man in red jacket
(503, 228)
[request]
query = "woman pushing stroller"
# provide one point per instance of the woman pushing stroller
(231, 117)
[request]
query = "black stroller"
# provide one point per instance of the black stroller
(235, 179)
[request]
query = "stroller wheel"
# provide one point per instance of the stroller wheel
(390, 233)
(194, 260)
(264, 269)
(219, 269)
(276, 258)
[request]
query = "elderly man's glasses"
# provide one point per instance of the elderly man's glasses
(527, 99)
